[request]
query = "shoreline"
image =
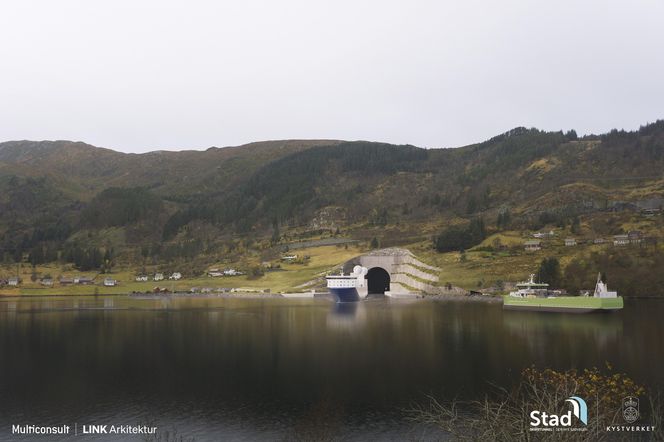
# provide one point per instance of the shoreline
(491, 299)
(250, 295)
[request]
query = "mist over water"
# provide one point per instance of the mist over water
(247, 369)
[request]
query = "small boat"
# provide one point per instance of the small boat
(344, 287)
(532, 296)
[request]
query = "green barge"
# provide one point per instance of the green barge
(532, 296)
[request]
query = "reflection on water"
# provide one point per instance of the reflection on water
(275, 368)
(599, 330)
(347, 316)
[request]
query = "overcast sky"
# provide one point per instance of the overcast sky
(144, 75)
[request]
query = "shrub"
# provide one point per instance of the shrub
(505, 415)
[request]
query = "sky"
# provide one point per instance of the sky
(143, 75)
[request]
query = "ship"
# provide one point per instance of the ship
(533, 296)
(344, 288)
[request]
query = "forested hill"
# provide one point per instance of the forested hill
(60, 194)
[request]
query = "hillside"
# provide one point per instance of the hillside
(61, 197)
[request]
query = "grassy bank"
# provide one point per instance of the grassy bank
(287, 278)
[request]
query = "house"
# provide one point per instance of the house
(620, 240)
(13, 281)
(176, 276)
(82, 280)
(158, 277)
(598, 241)
(289, 257)
(651, 240)
(622, 206)
(215, 273)
(570, 242)
(232, 272)
(66, 281)
(651, 207)
(46, 282)
(110, 282)
(141, 278)
(542, 235)
(634, 236)
(533, 245)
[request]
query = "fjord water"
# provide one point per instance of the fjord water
(278, 369)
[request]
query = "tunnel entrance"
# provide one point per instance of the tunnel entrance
(378, 281)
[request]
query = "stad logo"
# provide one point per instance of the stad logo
(630, 409)
(579, 410)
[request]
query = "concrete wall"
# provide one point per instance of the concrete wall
(406, 271)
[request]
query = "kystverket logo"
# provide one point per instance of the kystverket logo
(548, 420)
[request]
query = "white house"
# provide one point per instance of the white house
(83, 280)
(620, 240)
(289, 257)
(533, 245)
(141, 278)
(570, 242)
(158, 277)
(176, 276)
(541, 235)
(110, 282)
(14, 281)
(215, 273)
(232, 272)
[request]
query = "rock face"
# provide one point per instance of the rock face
(407, 274)
(328, 218)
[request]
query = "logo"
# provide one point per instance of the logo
(630, 409)
(549, 421)
(579, 408)
(630, 412)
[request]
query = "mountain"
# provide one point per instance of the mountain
(59, 194)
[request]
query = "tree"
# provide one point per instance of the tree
(471, 205)
(549, 272)
(504, 219)
(276, 235)
(456, 238)
(576, 225)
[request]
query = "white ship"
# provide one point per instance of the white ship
(344, 287)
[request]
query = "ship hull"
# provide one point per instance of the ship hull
(345, 294)
(563, 304)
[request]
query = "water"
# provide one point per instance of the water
(277, 369)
